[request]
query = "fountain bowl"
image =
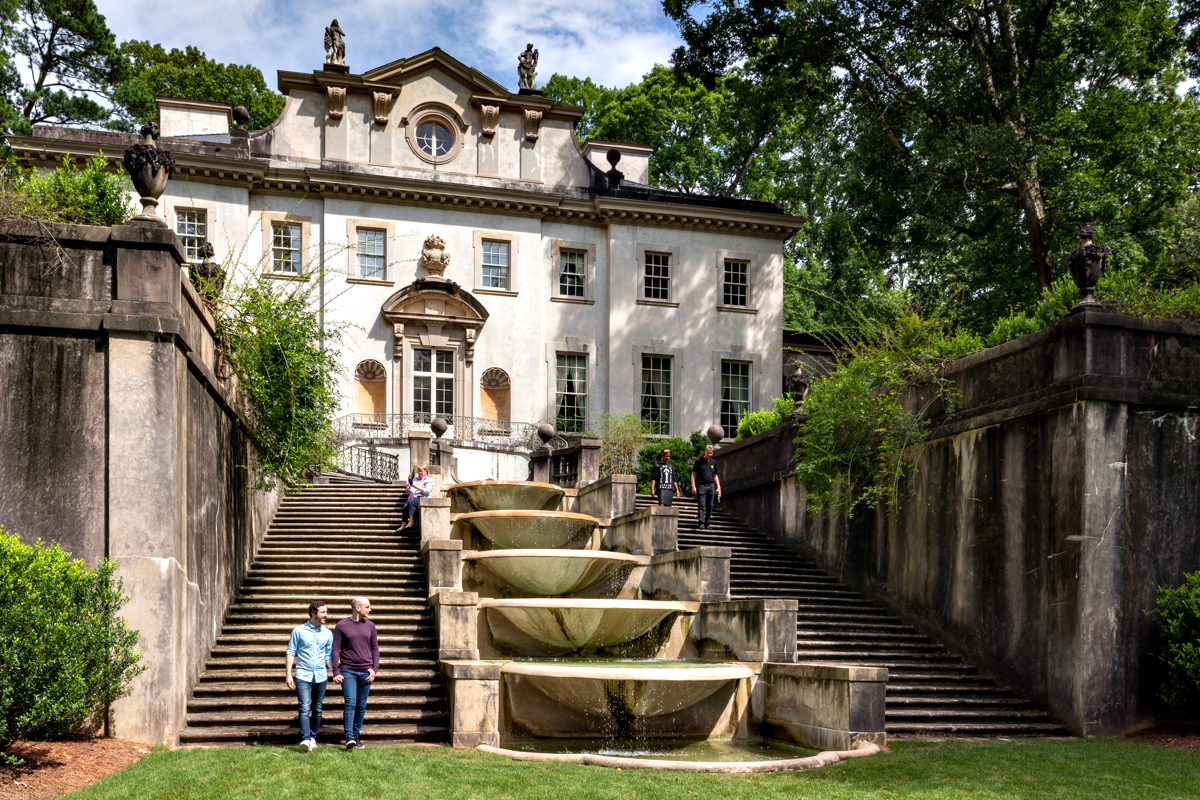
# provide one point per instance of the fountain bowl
(578, 624)
(550, 573)
(633, 691)
(493, 495)
(531, 530)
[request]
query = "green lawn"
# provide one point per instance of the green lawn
(1094, 768)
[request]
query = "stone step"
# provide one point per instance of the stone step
(423, 681)
(940, 702)
(981, 729)
(285, 716)
(262, 705)
(435, 729)
(271, 669)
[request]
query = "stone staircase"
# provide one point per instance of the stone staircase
(930, 692)
(329, 542)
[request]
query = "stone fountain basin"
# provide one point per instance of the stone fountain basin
(601, 690)
(492, 495)
(579, 624)
(550, 573)
(530, 530)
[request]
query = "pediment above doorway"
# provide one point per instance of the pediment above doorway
(434, 312)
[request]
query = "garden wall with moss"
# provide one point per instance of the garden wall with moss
(120, 440)
(1034, 526)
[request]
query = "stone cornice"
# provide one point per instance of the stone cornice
(485, 194)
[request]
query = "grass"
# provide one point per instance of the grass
(1089, 768)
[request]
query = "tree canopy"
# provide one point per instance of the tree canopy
(963, 143)
(188, 73)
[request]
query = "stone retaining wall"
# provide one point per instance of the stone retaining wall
(121, 441)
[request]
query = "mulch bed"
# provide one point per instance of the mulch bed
(55, 768)
(1174, 737)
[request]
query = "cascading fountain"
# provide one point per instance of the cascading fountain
(569, 635)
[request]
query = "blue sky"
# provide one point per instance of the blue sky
(613, 43)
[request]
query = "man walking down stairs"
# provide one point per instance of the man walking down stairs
(930, 692)
(332, 543)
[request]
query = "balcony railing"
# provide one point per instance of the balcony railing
(460, 430)
(368, 463)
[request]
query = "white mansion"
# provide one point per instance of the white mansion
(487, 265)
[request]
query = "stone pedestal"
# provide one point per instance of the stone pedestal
(443, 564)
(539, 465)
(823, 706)
(613, 496)
(418, 449)
(434, 514)
(645, 532)
(456, 615)
(474, 693)
(747, 630)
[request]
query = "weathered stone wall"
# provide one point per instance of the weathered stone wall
(120, 441)
(1039, 521)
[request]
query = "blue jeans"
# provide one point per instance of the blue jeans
(705, 494)
(354, 692)
(311, 695)
(410, 507)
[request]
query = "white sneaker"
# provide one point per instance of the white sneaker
(309, 744)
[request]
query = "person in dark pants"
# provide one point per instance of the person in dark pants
(309, 650)
(705, 483)
(663, 483)
(355, 663)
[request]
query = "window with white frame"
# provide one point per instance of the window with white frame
(570, 393)
(191, 227)
(656, 394)
(372, 254)
(433, 382)
(657, 284)
(735, 394)
(495, 264)
(735, 288)
(572, 273)
(285, 247)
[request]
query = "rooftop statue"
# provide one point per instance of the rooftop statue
(335, 47)
(527, 68)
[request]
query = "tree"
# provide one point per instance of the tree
(716, 139)
(65, 46)
(189, 73)
(966, 142)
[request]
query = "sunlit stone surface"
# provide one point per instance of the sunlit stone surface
(526, 530)
(579, 624)
(549, 573)
(505, 495)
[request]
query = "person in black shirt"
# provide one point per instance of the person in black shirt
(705, 482)
(663, 483)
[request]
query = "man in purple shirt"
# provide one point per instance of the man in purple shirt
(355, 662)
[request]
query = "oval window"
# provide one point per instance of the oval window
(434, 139)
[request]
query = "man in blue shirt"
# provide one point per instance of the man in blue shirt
(310, 649)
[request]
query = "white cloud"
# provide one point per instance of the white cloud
(611, 43)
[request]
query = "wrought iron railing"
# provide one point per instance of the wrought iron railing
(460, 430)
(368, 463)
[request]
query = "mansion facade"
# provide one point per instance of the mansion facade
(476, 259)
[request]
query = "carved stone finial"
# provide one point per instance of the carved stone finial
(615, 176)
(527, 68)
(335, 46)
(715, 433)
(208, 278)
(545, 432)
(1087, 263)
(434, 256)
(241, 115)
(149, 168)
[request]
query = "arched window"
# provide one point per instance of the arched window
(370, 389)
(494, 388)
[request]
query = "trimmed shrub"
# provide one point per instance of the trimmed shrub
(1178, 611)
(67, 650)
(757, 422)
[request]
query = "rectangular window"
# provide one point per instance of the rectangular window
(735, 290)
(191, 228)
(372, 252)
(495, 265)
(735, 394)
(285, 247)
(433, 383)
(658, 276)
(570, 393)
(571, 274)
(656, 394)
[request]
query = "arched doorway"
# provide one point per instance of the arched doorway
(494, 395)
(370, 390)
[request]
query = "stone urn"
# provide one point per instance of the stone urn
(149, 168)
(1087, 263)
